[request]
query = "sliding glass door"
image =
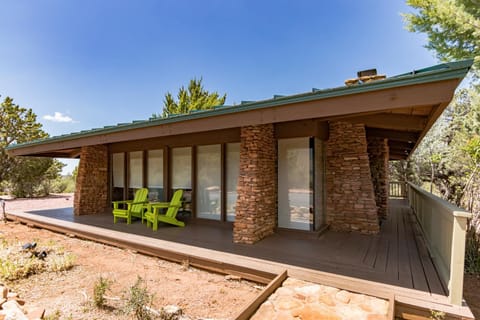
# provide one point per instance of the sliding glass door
(209, 182)
(295, 192)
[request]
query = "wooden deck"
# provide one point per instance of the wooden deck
(397, 256)
(394, 264)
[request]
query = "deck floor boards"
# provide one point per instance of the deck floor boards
(396, 256)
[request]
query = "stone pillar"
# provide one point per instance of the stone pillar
(350, 194)
(378, 153)
(91, 192)
(256, 209)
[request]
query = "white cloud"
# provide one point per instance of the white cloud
(58, 117)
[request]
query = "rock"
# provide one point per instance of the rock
(19, 301)
(343, 296)
(286, 303)
(4, 292)
(314, 312)
(330, 290)
(266, 311)
(36, 314)
(375, 305)
(12, 295)
(282, 291)
(377, 317)
(231, 277)
(171, 312)
(292, 282)
(358, 299)
(12, 310)
(309, 291)
(326, 299)
(350, 312)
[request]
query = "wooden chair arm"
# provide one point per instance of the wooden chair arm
(116, 203)
(131, 203)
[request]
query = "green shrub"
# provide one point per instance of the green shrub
(472, 252)
(101, 287)
(138, 298)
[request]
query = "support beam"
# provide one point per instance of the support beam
(393, 144)
(404, 136)
(392, 121)
(395, 156)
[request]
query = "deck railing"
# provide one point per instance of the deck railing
(397, 189)
(444, 227)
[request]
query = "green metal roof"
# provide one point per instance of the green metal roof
(445, 71)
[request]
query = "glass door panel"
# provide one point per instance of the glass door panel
(155, 175)
(232, 173)
(181, 173)
(320, 219)
(295, 184)
(135, 173)
(209, 180)
(118, 176)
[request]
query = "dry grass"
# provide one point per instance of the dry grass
(17, 263)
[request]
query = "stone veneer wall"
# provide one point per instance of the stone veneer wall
(256, 208)
(91, 191)
(378, 154)
(350, 193)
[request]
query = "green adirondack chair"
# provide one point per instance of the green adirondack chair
(153, 215)
(134, 208)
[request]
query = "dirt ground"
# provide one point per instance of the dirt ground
(471, 292)
(200, 294)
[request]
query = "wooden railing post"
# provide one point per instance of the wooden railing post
(455, 286)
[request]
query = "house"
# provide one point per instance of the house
(299, 163)
(296, 162)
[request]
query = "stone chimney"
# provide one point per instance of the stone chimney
(365, 76)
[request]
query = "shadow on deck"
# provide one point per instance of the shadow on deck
(396, 256)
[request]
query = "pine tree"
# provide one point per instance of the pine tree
(195, 97)
(24, 174)
(452, 26)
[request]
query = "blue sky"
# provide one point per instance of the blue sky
(85, 64)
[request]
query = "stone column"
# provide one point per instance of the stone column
(350, 194)
(378, 154)
(91, 192)
(256, 209)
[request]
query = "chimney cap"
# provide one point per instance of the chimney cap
(369, 72)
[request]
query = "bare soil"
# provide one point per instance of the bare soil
(199, 293)
(471, 292)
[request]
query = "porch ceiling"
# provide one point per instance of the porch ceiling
(401, 109)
